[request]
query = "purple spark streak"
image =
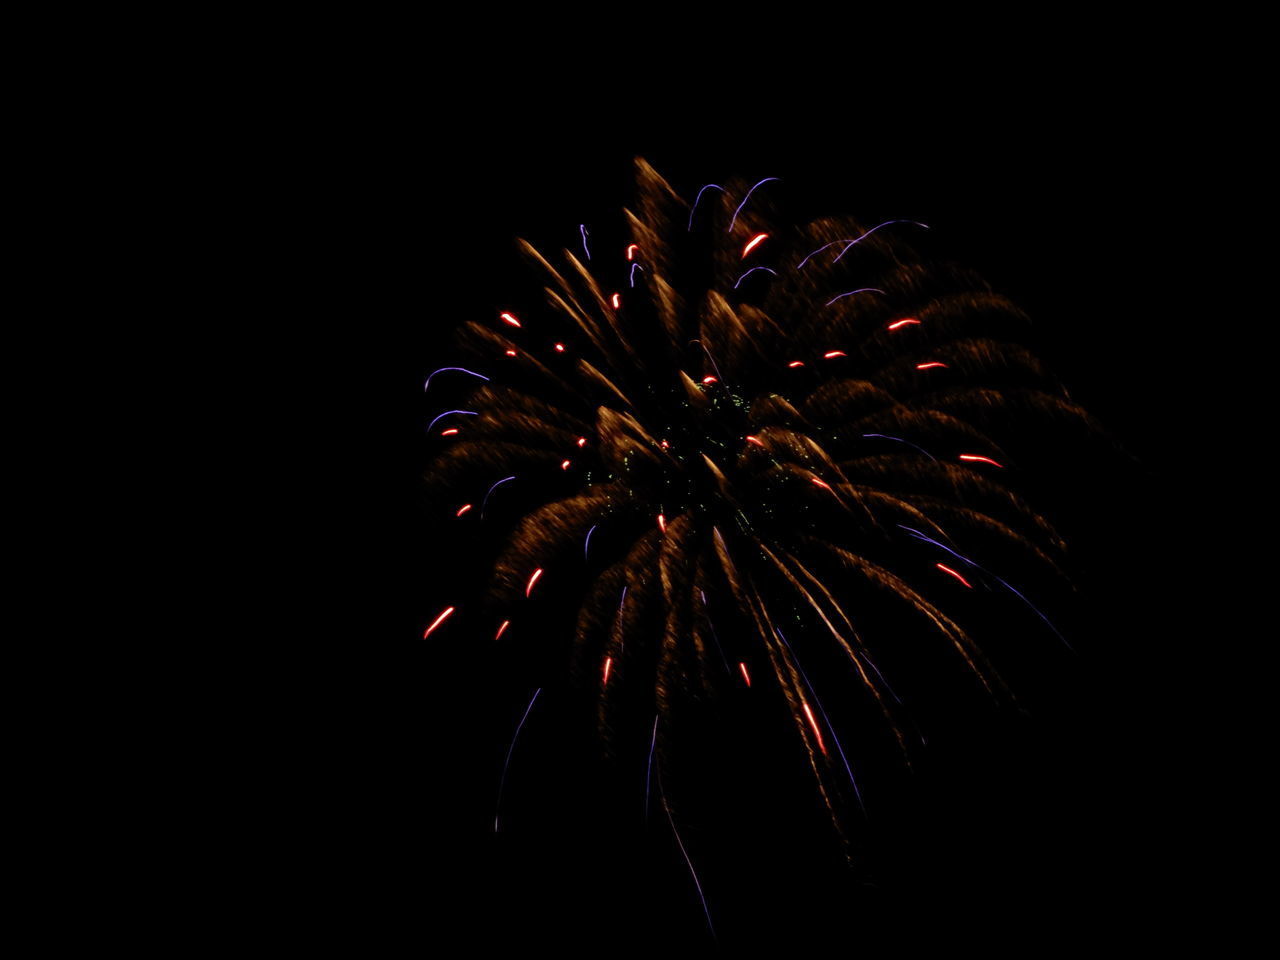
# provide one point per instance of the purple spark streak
(744, 202)
(751, 271)
(502, 782)
(634, 268)
(648, 774)
(705, 909)
(470, 413)
(711, 358)
(582, 228)
(920, 536)
(830, 727)
(852, 292)
(885, 436)
(714, 635)
(586, 547)
(873, 230)
(443, 369)
(699, 197)
(816, 252)
(485, 502)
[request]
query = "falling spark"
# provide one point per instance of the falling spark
(559, 348)
(834, 353)
(510, 319)
(694, 208)
(582, 228)
(582, 441)
(465, 508)
(617, 300)
(485, 502)
(902, 323)
(744, 202)
(438, 620)
(821, 483)
(586, 547)
(945, 569)
(885, 436)
(634, 268)
(755, 440)
(974, 456)
(751, 271)
(755, 242)
(514, 737)
(708, 379)
(532, 580)
(814, 723)
(930, 365)
(745, 676)
(648, 773)
(631, 251)
(852, 292)
(502, 629)
(564, 464)
(448, 433)
(662, 523)
(705, 909)
(796, 363)
(664, 445)
(462, 369)
(511, 353)
(608, 663)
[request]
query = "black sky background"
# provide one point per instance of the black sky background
(1078, 819)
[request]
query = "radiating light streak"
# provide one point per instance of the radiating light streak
(469, 413)
(484, 503)
(705, 909)
(755, 242)
(582, 441)
(586, 547)
(852, 292)
(834, 353)
(648, 773)
(1004, 583)
(532, 580)
(510, 319)
(462, 369)
(751, 271)
(634, 268)
(885, 436)
(559, 348)
(744, 202)
(617, 300)
(978, 459)
(755, 440)
(502, 629)
(465, 508)
(582, 228)
(796, 363)
(902, 323)
(631, 251)
(930, 365)
(822, 483)
(662, 523)
(438, 620)
(608, 663)
(708, 379)
(694, 208)
(745, 676)
(497, 810)
(873, 230)
(448, 433)
(945, 569)
(564, 464)
(814, 723)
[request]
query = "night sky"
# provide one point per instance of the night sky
(1055, 824)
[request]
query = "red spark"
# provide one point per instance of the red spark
(755, 242)
(814, 723)
(821, 483)
(946, 569)
(510, 319)
(664, 444)
(608, 662)
(708, 379)
(631, 251)
(927, 366)
(835, 353)
(755, 440)
(617, 300)
(582, 441)
(465, 508)
(448, 433)
(559, 348)
(439, 620)
(532, 580)
(796, 363)
(564, 464)
(745, 676)
(511, 353)
(902, 323)
(502, 629)
(974, 456)
(662, 523)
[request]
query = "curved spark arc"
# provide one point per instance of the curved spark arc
(427, 385)
(751, 271)
(852, 292)
(582, 228)
(694, 208)
(885, 436)
(694, 873)
(873, 230)
(502, 781)
(485, 502)
(471, 413)
(734, 220)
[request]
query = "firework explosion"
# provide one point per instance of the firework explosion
(760, 432)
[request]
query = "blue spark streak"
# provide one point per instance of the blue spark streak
(463, 369)
(885, 436)
(699, 197)
(852, 292)
(485, 502)
(502, 782)
(751, 271)
(744, 202)
(470, 413)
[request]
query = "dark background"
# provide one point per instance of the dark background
(1085, 816)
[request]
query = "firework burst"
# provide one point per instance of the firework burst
(758, 430)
